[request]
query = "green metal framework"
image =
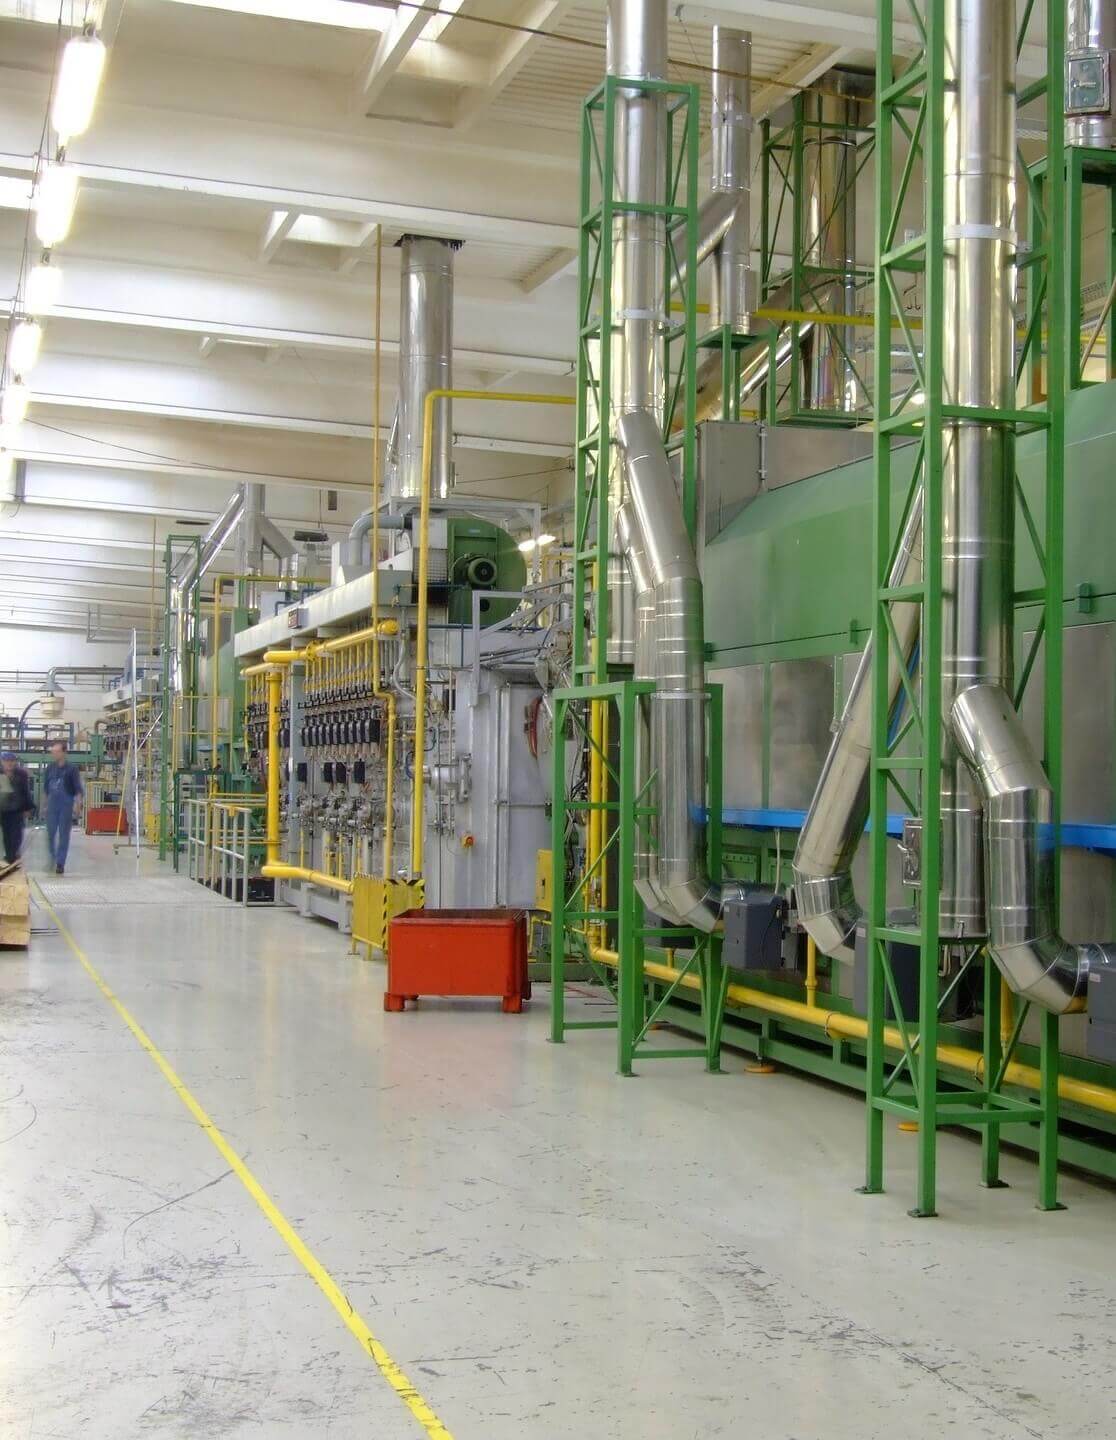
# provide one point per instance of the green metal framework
(1083, 168)
(600, 206)
(912, 105)
(575, 922)
(782, 188)
(603, 908)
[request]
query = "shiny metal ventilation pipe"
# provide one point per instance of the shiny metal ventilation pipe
(644, 668)
(829, 187)
(978, 501)
(998, 840)
(823, 887)
(1019, 833)
(425, 363)
(637, 50)
(677, 718)
(730, 298)
(1090, 43)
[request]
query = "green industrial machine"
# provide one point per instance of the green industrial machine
(798, 570)
(482, 557)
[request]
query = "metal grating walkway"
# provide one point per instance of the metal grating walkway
(160, 893)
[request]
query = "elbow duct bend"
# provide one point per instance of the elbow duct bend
(1020, 856)
(662, 557)
(823, 887)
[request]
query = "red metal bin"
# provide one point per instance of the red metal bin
(458, 952)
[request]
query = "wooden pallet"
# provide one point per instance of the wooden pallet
(15, 908)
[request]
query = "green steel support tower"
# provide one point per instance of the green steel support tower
(907, 756)
(602, 909)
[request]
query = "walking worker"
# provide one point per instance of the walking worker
(64, 790)
(16, 804)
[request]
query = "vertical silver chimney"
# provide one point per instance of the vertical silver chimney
(829, 186)
(730, 297)
(637, 50)
(425, 364)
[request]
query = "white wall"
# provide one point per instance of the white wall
(39, 650)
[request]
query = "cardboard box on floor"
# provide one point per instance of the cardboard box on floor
(15, 908)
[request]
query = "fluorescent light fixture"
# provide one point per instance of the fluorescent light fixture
(13, 403)
(44, 285)
(547, 540)
(55, 199)
(23, 346)
(527, 545)
(75, 90)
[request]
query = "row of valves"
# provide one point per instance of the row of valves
(333, 729)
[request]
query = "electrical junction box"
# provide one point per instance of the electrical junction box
(544, 880)
(754, 927)
(1100, 1040)
(1088, 84)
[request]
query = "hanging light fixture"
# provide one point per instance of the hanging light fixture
(75, 90)
(55, 198)
(14, 402)
(23, 347)
(44, 285)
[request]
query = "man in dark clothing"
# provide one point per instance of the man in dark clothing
(62, 783)
(16, 803)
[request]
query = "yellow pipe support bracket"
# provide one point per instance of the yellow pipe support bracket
(510, 397)
(854, 1027)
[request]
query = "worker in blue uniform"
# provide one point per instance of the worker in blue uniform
(64, 791)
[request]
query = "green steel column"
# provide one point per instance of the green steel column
(558, 879)
(631, 984)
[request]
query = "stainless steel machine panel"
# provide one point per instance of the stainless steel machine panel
(1088, 721)
(728, 459)
(801, 715)
(794, 452)
(743, 737)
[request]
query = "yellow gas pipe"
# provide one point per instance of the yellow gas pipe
(272, 661)
(853, 1027)
(432, 397)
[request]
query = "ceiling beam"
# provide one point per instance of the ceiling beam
(344, 429)
(426, 219)
(406, 26)
(816, 62)
(549, 269)
(516, 52)
(295, 339)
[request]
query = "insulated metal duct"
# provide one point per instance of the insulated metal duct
(425, 364)
(1090, 43)
(829, 189)
(730, 298)
(998, 841)
(637, 50)
(1019, 832)
(978, 500)
(823, 887)
(682, 885)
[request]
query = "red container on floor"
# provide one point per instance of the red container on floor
(106, 820)
(458, 952)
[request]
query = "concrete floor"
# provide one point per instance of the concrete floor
(546, 1250)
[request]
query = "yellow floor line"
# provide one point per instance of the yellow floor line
(301, 1251)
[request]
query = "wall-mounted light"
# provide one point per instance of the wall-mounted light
(75, 90)
(55, 198)
(24, 345)
(14, 403)
(44, 285)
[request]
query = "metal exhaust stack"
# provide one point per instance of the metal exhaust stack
(827, 904)
(829, 162)
(425, 364)
(730, 300)
(637, 50)
(996, 798)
